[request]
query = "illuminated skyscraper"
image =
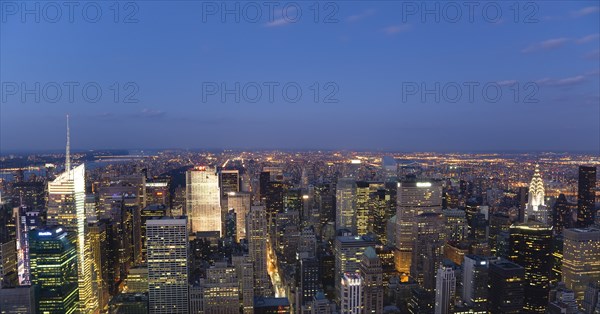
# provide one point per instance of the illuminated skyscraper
(345, 204)
(507, 283)
(427, 251)
(53, 256)
(348, 251)
(229, 181)
(256, 227)
(240, 202)
(586, 197)
(372, 276)
(221, 290)
(475, 281)
(531, 247)
(445, 290)
(581, 259)
(415, 197)
(203, 200)
(167, 240)
(536, 206)
(66, 208)
(351, 294)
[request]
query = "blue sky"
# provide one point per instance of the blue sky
(369, 50)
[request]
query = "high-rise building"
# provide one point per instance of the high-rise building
(27, 220)
(351, 294)
(149, 212)
(561, 214)
(562, 301)
(9, 276)
(66, 208)
(445, 290)
(581, 259)
(256, 228)
(245, 275)
(348, 251)
(591, 297)
(229, 181)
(221, 290)
(53, 257)
(427, 250)
(203, 200)
(586, 197)
(507, 284)
(531, 247)
(372, 275)
(309, 279)
(415, 197)
(240, 202)
(18, 300)
(167, 265)
(536, 206)
(345, 204)
(475, 281)
(97, 241)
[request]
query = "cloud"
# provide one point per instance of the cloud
(593, 55)
(569, 81)
(361, 16)
(546, 45)
(287, 16)
(587, 39)
(395, 29)
(507, 82)
(585, 11)
(149, 113)
(277, 22)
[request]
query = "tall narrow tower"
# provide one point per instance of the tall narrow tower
(68, 151)
(535, 205)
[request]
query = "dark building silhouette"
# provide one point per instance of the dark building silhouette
(586, 198)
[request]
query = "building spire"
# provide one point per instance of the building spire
(68, 152)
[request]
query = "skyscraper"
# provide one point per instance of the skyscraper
(445, 290)
(348, 251)
(415, 197)
(53, 257)
(240, 202)
(475, 281)
(372, 275)
(229, 181)
(203, 200)
(586, 197)
(256, 228)
(66, 208)
(561, 214)
(427, 250)
(507, 281)
(531, 247)
(581, 259)
(221, 290)
(351, 294)
(536, 206)
(167, 265)
(345, 204)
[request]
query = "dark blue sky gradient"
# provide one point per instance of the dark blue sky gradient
(369, 53)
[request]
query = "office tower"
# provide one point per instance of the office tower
(531, 247)
(256, 228)
(499, 222)
(536, 206)
(98, 246)
(149, 212)
(274, 200)
(581, 259)
(348, 251)
(320, 304)
(507, 287)
(372, 275)
(557, 259)
(18, 300)
(351, 294)
(240, 202)
(245, 274)
(157, 191)
(591, 297)
(137, 280)
(221, 290)
(309, 279)
(415, 197)
(167, 265)
(264, 179)
(53, 257)
(562, 301)
(9, 276)
(345, 204)
(427, 250)
(362, 205)
(586, 197)
(30, 194)
(445, 290)
(475, 281)
(477, 226)
(523, 197)
(66, 208)
(561, 214)
(203, 199)
(421, 301)
(229, 181)
(455, 224)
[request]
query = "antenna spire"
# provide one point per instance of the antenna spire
(68, 152)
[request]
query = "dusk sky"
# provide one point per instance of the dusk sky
(366, 57)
